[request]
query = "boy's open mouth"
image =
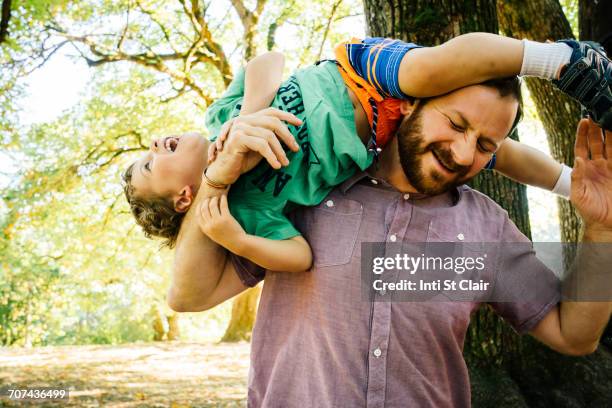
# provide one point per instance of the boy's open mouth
(170, 143)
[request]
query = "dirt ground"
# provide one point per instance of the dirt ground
(174, 374)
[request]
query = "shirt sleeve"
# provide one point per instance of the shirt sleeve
(377, 60)
(525, 289)
(264, 221)
(250, 274)
(226, 107)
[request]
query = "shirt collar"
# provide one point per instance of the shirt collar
(360, 175)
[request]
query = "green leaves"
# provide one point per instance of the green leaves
(74, 266)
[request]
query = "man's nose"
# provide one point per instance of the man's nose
(463, 151)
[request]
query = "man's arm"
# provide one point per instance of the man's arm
(262, 78)
(202, 275)
(575, 327)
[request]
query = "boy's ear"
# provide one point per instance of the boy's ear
(407, 107)
(183, 200)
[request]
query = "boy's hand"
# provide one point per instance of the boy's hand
(216, 221)
(217, 145)
(251, 137)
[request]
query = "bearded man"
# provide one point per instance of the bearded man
(317, 342)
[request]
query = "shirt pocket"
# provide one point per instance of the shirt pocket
(332, 229)
(458, 239)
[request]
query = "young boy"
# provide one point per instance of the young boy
(372, 70)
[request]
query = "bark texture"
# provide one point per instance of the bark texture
(506, 370)
(431, 23)
(568, 381)
(542, 20)
(595, 22)
(490, 341)
(244, 309)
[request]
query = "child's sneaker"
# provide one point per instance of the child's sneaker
(588, 79)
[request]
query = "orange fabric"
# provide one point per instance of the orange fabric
(389, 116)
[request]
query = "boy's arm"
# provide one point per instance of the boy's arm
(464, 60)
(289, 255)
(262, 78)
(530, 166)
(402, 70)
(203, 275)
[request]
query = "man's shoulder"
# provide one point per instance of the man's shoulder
(477, 201)
(481, 207)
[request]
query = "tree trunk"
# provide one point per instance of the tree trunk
(174, 329)
(243, 316)
(431, 23)
(489, 339)
(158, 323)
(4, 20)
(569, 381)
(595, 22)
(542, 20)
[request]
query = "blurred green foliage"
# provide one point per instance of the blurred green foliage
(570, 8)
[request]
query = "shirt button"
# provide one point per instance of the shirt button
(406, 196)
(460, 237)
(377, 352)
(329, 203)
(374, 181)
(393, 238)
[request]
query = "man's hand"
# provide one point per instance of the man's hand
(216, 221)
(591, 191)
(246, 139)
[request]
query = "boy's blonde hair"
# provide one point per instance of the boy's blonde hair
(156, 215)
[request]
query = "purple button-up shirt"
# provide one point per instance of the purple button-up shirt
(318, 343)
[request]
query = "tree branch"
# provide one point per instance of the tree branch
(189, 12)
(249, 21)
(125, 29)
(200, 48)
(329, 21)
(242, 11)
(162, 27)
(45, 55)
(147, 59)
(205, 39)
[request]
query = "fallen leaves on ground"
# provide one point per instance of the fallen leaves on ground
(174, 374)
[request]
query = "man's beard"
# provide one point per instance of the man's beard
(412, 149)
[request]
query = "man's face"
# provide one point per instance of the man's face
(172, 165)
(449, 139)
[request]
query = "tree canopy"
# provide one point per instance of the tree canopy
(74, 267)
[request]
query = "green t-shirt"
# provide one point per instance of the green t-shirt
(330, 150)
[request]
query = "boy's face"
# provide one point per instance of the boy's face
(172, 168)
(451, 138)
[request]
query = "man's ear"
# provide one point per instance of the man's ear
(407, 107)
(183, 200)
